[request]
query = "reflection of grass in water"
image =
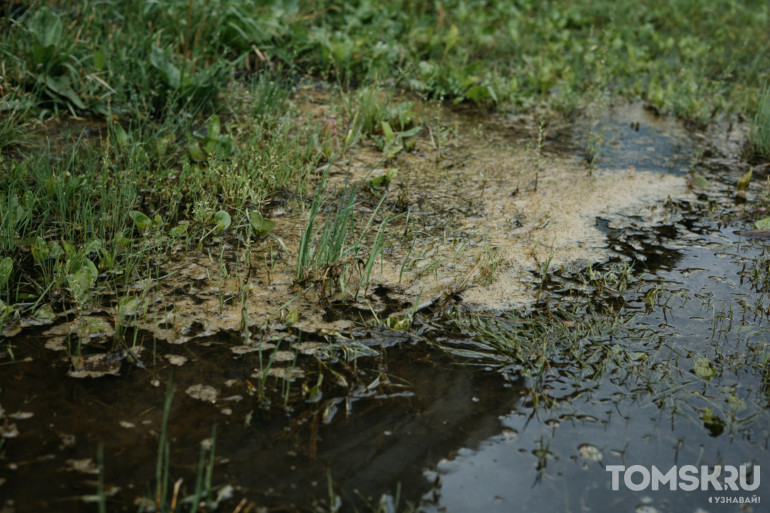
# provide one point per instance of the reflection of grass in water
(598, 346)
(166, 498)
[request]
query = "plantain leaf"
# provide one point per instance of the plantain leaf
(222, 220)
(141, 221)
(6, 268)
(83, 279)
(260, 225)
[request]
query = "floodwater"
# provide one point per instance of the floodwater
(335, 411)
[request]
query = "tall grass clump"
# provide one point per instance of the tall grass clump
(759, 132)
(333, 254)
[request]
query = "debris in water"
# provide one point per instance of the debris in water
(589, 452)
(86, 466)
(175, 359)
(97, 365)
(9, 431)
(203, 392)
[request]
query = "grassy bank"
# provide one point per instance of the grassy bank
(129, 126)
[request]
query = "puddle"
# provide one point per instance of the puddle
(414, 403)
(631, 135)
(708, 308)
(306, 390)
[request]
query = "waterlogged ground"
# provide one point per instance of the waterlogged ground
(530, 321)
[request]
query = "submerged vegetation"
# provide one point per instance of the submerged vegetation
(152, 154)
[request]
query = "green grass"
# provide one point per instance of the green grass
(695, 58)
(336, 254)
(192, 101)
(759, 134)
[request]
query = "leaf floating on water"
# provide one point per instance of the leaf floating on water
(763, 224)
(705, 369)
(292, 317)
(712, 422)
(203, 393)
(128, 306)
(260, 225)
(589, 452)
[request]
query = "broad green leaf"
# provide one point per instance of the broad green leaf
(44, 314)
(213, 127)
(222, 220)
(161, 61)
(40, 250)
(452, 37)
(93, 246)
(196, 153)
(100, 59)
(46, 27)
(210, 146)
(411, 132)
(260, 225)
(121, 137)
(142, 222)
(61, 86)
(387, 133)
(763, 224)
(162, 144)
(704, 368)
(384, 180)
(55, 250)
(6, 268)
(178, 230)
(83, 279)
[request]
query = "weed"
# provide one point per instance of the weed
(759, 131)
(330, 253)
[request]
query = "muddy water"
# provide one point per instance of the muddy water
(391, 413)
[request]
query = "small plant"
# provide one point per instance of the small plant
(329, 254)
(759, 132)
